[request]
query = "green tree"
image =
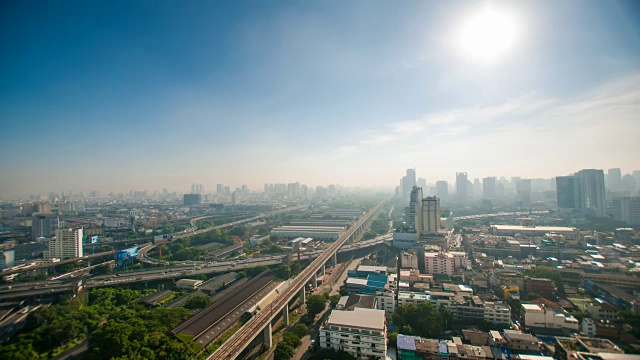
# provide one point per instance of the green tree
(197, 302)
(333, 300)
(316, 304)
(300, 330)
(393, 339)
(104, 269)
(283, 351)
(283, 271)
(256, 270)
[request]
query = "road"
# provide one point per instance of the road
(334, 289)
(238, 341)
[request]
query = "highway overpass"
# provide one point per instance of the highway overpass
(261, 323)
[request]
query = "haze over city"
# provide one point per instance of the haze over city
(152, 95)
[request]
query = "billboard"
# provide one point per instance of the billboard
(110, 222)
(94, 239)
(127, 253)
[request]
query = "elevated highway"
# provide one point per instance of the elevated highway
(261, 323)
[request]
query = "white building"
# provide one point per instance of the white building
(385, 300)
(546, 317)
(627, 209)
(497, 313)
(66, 245)
(601, 310)
(361, 333)
(430, 216)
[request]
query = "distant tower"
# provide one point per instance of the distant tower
(461, 186)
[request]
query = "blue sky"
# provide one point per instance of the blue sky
(143, 95)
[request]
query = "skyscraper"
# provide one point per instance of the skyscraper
(430, 216)
(43, 226)
(568, 192)
(442, 189)
(412, 212)
(489, 187)
(614, 179)
(461, 186)
(408, 182)
(592, 190)
(220, 189)
(523, 190)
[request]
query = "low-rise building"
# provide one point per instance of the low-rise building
(519, 341)
(362, 333)
(543, 316)
(601, 310)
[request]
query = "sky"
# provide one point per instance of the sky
(120, 95)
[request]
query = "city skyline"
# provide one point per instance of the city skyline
(97, 97)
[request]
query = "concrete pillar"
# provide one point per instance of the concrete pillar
(267, 336)
(323, 269)
(303, 296)
(335, 258)
(285, 314)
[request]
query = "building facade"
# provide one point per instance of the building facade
(362, 333)
(66, 245)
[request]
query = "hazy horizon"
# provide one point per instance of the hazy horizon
(119, 96)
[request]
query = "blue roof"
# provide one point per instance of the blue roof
(406, 342)
(375, 280)
(444, 349)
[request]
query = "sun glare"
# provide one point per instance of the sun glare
(488, 35)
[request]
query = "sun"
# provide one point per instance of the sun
(488, 35)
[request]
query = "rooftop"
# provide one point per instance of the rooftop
(359, 317)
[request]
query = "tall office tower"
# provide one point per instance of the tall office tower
(430, 216)
(412, 212)
(523, 191)
(245, 189)
(489, 188)
(293, 190)
(422, 182)
(321, 192)
(66, 245)
(407, 183)
(636, 175)
(332, 190)
(477, 187)
(592, 189)
(629, 184)
(304, 192)
(220, 189)
(194, 189)
(442, 189)
(227, 190)
(568, 192)
(627, 209)
(43, 226)
(461, 186)
(234, 198)
(614, 180)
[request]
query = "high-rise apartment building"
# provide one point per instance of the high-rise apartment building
(361, 333)
(413, 211)
(523, 191)
(442, 190)
(614, 179)
(489, 188)
(592, 189)
(220, 189)
(627, 209)
(430, 216)
(462, 186)
(43, 226)
(66, 245)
